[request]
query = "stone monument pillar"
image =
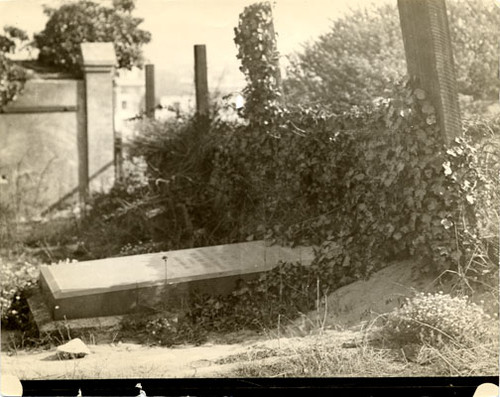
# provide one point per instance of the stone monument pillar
(98, 62)
(429, 58)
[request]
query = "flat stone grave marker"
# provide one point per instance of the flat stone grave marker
(129, 284)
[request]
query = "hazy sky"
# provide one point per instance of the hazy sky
(176, 25)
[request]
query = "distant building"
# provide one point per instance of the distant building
(129, 100)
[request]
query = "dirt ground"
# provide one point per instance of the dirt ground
(347, 311)
(127, 360)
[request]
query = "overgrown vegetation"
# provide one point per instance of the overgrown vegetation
(357, 194)
(374, 184)
(367, 185)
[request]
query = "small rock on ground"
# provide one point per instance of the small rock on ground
(75, 348)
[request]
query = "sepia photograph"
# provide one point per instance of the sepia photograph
(244, 189)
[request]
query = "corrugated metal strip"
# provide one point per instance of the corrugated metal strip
(429, 56)
(445, 68)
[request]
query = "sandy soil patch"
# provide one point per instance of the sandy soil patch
(127, 360)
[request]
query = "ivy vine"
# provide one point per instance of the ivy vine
(257, 51)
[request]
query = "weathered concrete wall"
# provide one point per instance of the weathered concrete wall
(47, 92)
(100, 120)
(38, 145)
(57, 135)
(98, 61)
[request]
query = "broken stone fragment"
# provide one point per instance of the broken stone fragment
(75, 348)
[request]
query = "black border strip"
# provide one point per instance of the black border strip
(417, 386)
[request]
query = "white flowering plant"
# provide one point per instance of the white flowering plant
(436, 319)
(17, 275)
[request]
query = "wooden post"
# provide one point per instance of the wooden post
(200, 79)
(82, 144)
(150, 91)
(118, 159)
(429, 58)
(118, 155)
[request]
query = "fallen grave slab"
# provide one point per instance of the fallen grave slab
(164, 280)
(105, 328)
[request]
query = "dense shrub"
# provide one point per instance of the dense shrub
(373, 184)
(185, 207)
(368, 185)
(85, 21)
(273, 297)
(360, 57)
